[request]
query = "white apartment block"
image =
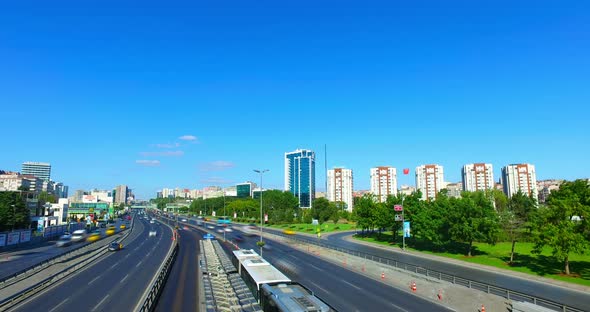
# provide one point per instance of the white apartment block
(11, 182)
(521, 177)
(429, 180)
(167, 192)
(60, 210)
(478, 177)
(383, 182)
(340, 186)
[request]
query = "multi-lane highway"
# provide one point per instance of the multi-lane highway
(343, 289)
(14, 261)
(180, 292)
(116, 281)
(563, 295)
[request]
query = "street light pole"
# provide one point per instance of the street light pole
(224, 214)
(261, 220)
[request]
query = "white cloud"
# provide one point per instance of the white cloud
(218, 165)
(148, 163)
(166, 145)
(188, 138)
(216, 181)
(166, 153)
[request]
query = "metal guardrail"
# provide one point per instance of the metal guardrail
(150, 299)
(487, 288)
(35, 268)
(15, 299)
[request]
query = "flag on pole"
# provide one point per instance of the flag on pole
(406, 170)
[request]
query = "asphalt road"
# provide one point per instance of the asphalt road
(570, 297)
(115, 282)
(180, 292)
(343, 289)
(14, 261)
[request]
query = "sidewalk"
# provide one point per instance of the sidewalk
(453, 296)
(569, 286)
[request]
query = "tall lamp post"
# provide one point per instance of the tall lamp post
(261, 219)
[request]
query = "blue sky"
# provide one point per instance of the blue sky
(197, 93)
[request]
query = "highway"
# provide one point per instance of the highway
(14, 261)
(570, 297)
(180, 292)
(115, 282)
(341, 288)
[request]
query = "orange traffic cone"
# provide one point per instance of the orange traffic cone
(483, 309)
(413, 287)
(382, 275)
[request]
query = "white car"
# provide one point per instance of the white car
(153, 233)
(78, 235)
(183, 220)
(152, 222)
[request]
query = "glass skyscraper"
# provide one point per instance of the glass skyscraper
(300, 176)
(38, 169)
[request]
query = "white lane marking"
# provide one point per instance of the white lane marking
(138, 264)
(94, 279)
(114, 265)
(316, 285)
(124, 278)
(398, 307)
(127, 256)
(352, 285)
(57, 306)
(103, 299)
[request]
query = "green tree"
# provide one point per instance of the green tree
(45, 197)
(516, 216)
(13, 212)
(563, 224)
(472, 219)
(363, 212)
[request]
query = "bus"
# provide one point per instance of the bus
(223, 220)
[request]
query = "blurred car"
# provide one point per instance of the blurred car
(238, 238)
(210, 226)
(110, 230)
(249, 230)
(123, 226)
(289, 232)
(64, 241)
(66, 235)
(185, 228)
(152, 221)
(78, 235)
(208, 236)
(153, 233)
(114, 246)
(228, 229)
(219, 229)
(183, 220)
(93, 237)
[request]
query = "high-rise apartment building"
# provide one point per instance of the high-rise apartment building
(38, 169)
(340, 187)
(300, 175)
(121, 193)
(521, 177)
(478, 177)
(383, 182)
(429, 180)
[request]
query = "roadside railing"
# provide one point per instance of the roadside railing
(149, 300)
(15, 299)
(487, 288)
(82, 250)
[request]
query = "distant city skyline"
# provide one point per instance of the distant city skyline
(160, 96)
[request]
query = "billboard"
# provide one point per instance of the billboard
(13, 238)
(25, 236)
(406, 228)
